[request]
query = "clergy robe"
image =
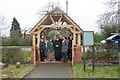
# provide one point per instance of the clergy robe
(58, 54)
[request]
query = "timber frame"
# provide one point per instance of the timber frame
(55, 19)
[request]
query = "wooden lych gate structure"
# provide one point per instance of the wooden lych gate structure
(55, 19)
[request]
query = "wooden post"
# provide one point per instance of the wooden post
(34, 49)
(73, 43)
(79, 39)
(38, 43)
(38, 37)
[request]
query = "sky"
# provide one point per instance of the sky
(84, 12)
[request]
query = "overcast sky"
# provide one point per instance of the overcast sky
(83, 12)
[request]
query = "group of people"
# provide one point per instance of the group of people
(60, 47)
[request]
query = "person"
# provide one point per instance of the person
(57, 50)
(50, 50)
(60, 40)
(42, 50)
(70, 48)
(64, 49)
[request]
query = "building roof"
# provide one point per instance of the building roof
(56, 10)
(47, 21)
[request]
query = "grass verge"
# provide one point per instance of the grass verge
(17, 72)
(99, 72)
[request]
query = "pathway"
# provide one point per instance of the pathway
(52, 70)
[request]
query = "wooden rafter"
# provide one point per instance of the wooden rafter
(39, 23)
(59, 19)
(75, 26)
(52, 19)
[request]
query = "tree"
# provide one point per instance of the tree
(15, 30)
(111, 15)
(107, 30)
(110, 21)
(47, 8)
(98, 37)
(2, 21)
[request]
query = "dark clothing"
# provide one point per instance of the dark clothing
(53, 44)
(60, 40)
(70, 50)
(64, 49)
(42, 45)
(64, 54)
(57, 51)
(70, 54)
(69, 44)
(42, 50)
(42, 55)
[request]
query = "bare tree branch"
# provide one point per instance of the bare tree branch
(110, 16)
(50, 6)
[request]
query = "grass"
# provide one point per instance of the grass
(100, 71)
(18, 73)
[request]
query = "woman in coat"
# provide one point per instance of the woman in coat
(50, 50)
(64, 49)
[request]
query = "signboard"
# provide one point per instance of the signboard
(88, 38)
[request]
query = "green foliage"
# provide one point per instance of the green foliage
(13, 55)
(62, 32)
(98, 37)
(106, 30)
(26, 56)
(15, 30)
(52, 33)
(104, 53)
(100, 71)
(27, 41)
(15, 41)
(6, 41)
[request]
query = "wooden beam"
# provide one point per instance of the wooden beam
(38, 37)
(39, 23)
(52, 19)
(79, 39)
(54, 26)
(34, 52)
(59, 20)
(73, 43)
(73, 23)
(77, 32)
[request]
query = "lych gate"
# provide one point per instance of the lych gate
(55, 19)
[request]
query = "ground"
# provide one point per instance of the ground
(13, 72)
(100, 71)
(52, 70)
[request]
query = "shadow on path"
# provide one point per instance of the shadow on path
(52, 70)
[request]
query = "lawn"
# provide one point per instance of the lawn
(100, 71)
(17, 72)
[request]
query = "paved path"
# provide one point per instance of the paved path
(52, 70)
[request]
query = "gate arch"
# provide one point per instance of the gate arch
(55, 19)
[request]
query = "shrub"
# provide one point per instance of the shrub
(26, 56)
(103, 53)
(13, 55)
